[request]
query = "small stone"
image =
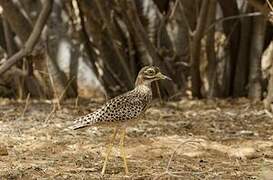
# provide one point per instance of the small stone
(3, 150)
(268, 155)
(246, 133)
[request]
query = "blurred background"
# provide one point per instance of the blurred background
(60, 59)
(210, 48)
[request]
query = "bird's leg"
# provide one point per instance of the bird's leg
(109, 150)
(122, 149)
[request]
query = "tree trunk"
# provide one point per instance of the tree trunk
(181, 17)
(256, 50)
(268, 56)
(211, 55)
(196, 48)
(241, 73)
(232, 31)
(57, 37)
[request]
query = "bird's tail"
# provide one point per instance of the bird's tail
(82, 122)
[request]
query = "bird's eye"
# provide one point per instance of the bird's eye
(150, 71)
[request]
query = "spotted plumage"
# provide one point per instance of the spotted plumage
(126, 107)
(123, 109)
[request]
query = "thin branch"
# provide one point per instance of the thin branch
(26, 106)
(54, 108)
(176, 149)
(185, 19)
(201, 21)
(66, 88)
(54, 91)
(164, 21)
(16, 19)
(174, 9)
(86, 41)
(158, 92)
(270, 14)
(167, 171)
(220, 20)
(140, 31)
(269, 4)
(8, 38)
(33, 38)
(260, 6)
(114, 37)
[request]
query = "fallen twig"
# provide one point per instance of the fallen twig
(183, 143)
(167, 171)
(26, 106)
(51, 113)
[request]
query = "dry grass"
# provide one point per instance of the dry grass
(223, 139)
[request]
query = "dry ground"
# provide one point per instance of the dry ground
(221, 139)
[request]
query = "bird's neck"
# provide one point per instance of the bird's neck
(138, 81)
(144, 87)
(141, 82)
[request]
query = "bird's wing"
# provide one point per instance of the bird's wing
(125, 108)
(118, 109)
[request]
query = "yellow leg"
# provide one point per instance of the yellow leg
(122, 149)
(109, 150)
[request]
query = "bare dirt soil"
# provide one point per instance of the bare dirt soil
(221, 139)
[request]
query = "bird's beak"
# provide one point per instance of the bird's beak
(162, 76)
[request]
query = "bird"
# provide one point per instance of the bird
(123, 110)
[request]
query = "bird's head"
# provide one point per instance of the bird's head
(149, 74)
